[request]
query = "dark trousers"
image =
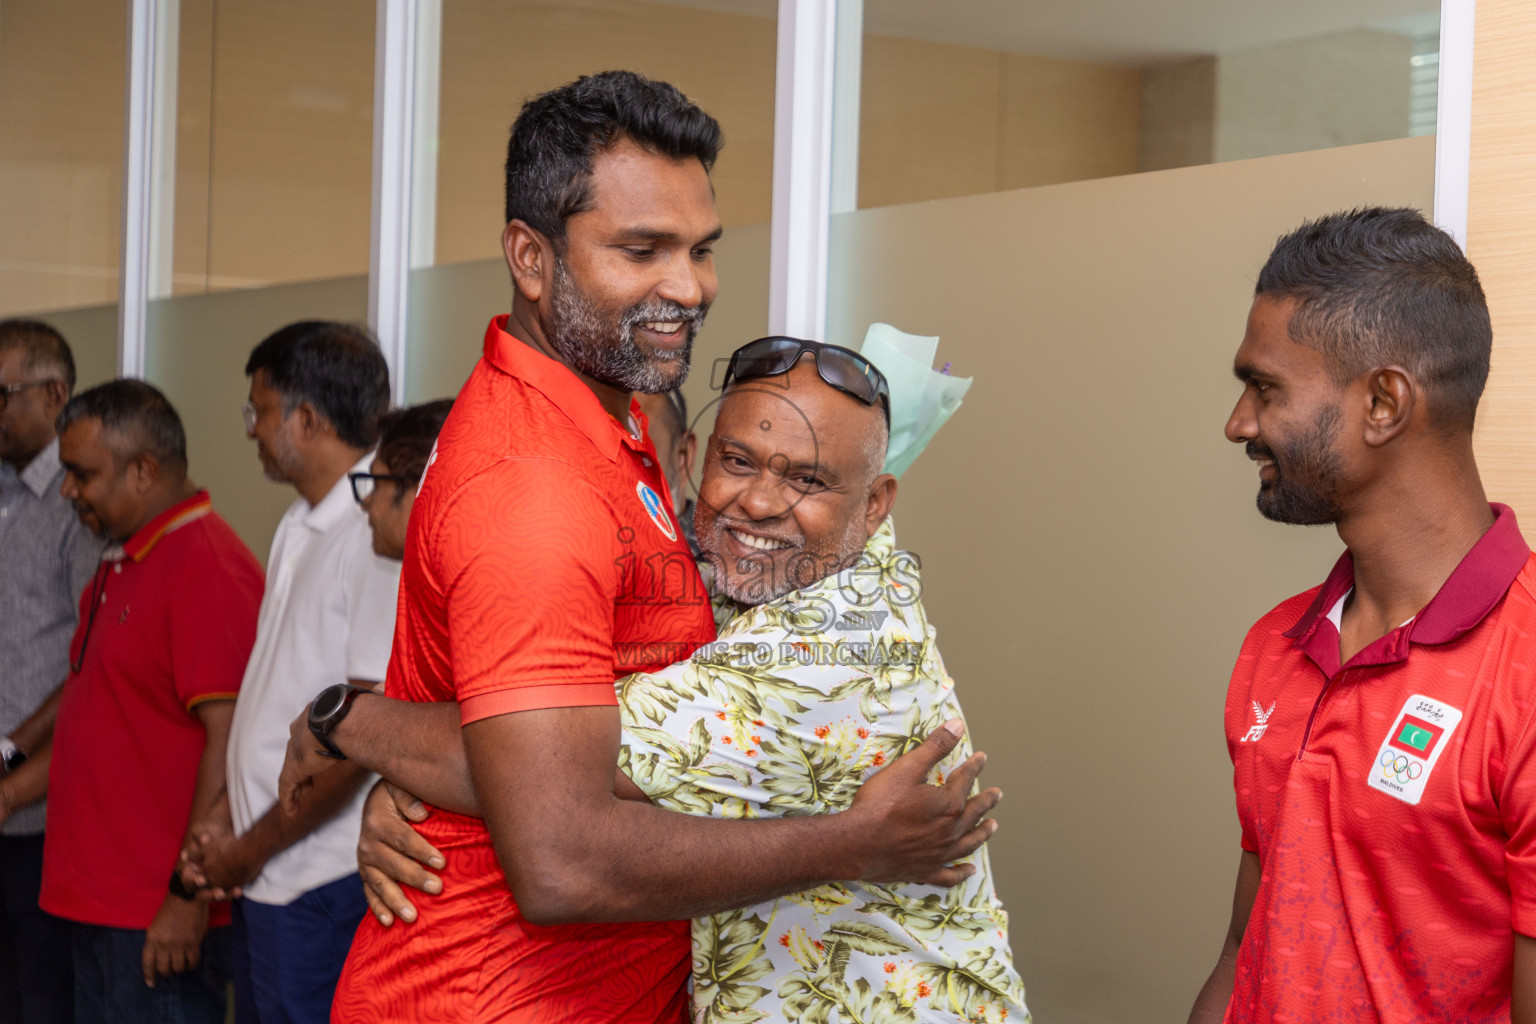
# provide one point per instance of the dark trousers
(296, 952)
(36, 976)
(109, 980)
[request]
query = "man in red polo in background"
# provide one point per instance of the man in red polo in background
(137, 750)
(541, 565)
(1380, 725)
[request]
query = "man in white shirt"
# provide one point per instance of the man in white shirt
(328, 615)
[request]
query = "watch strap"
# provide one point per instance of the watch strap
(321, 728)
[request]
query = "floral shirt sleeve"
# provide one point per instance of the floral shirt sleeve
(796, 703)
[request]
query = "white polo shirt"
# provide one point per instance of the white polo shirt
(328, 615)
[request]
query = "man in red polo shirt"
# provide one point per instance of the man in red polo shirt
(137, 750)
(1380, 725)
(543, 562)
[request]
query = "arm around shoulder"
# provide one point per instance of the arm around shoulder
(573, 851)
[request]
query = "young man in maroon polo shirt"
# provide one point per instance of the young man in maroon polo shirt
(1380, 725)
(137, 750)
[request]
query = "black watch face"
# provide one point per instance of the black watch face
(328, 703)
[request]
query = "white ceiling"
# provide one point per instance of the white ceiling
(1127, 31)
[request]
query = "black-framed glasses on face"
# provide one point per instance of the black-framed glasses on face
(7, 390)
(364, 484)
(842, 368)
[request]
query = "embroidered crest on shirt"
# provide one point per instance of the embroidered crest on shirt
(1420, 733)
(1256, 732)
(656, 510)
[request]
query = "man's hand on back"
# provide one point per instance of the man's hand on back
(390, 853)
(916, 830)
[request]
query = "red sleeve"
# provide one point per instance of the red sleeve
(213, 622)
(1235, 720)
(1517, 804)
(528, 556)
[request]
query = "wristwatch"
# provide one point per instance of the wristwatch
(11, 756)
(328, 709)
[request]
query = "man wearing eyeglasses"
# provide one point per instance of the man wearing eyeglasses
(317, 392)
(48, 557)
(544, 563)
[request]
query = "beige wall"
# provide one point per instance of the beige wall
(274, 148)
(497, 54)
(941, 120)
(1501, 225)
(61, 140)
(1091, 553)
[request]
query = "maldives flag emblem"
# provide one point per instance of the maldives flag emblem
(1416, 735)
(1409, 751)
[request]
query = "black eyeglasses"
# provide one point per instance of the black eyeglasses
(363, 484)
(842, 368)
(7, 390)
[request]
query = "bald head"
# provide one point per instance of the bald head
(829, 411)
(792, 486)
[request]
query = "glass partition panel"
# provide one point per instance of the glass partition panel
(61, 164)
(274, 142)
(1090, 550)
(969, 98)
(496, 54)
(197, 352)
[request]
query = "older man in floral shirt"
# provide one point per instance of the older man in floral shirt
(815, 681)
(824, 670)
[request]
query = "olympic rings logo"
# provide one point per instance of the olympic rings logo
(1399, 767)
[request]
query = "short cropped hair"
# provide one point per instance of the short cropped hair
(559, 133)
(139, 419)
(46, 350)
(406, 437)
(1379, 286)
(335, 367)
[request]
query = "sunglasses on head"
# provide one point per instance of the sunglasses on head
(842, 368)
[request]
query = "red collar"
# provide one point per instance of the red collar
(143, 542)
(559, 383)
(1474, 588)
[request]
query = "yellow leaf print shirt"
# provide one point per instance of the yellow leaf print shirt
(795, 704)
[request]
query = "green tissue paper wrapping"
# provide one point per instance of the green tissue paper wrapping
(922, 398)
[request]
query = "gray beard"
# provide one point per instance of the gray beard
(606, 351)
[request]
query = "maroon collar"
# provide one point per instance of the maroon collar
(559, 383)
(1474, 588)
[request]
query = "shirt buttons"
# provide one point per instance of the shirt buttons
(645, 462)
(117, 567)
